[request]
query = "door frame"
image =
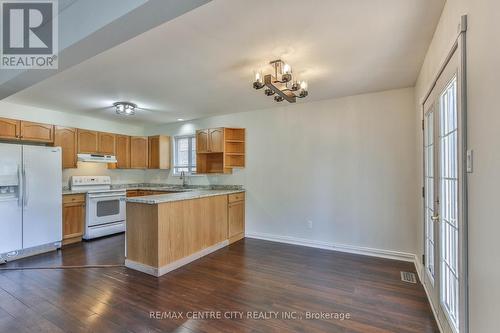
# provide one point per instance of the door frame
(459, 47)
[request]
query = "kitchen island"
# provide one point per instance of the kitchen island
(167, 231)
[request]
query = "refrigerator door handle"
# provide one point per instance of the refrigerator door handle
(26, 188)
(20, 184)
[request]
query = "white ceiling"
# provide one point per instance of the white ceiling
(201, 63)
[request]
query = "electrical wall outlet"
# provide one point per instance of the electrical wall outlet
(310, 224)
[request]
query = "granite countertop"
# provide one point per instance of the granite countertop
(185, 195)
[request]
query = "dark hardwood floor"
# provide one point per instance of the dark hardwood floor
(249, 276)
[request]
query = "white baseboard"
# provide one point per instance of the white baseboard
(381, 253)
(176, 264)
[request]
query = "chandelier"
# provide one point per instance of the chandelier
(125, 108)
(281, 83)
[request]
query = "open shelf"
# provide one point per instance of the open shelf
(234, 148)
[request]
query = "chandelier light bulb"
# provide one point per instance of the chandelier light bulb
(287, 69)
(303, 85)
(258, 83)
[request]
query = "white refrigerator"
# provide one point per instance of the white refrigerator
(30, 200)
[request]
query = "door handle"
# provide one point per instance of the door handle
(26, 189)
(20, 184)
(435, 217)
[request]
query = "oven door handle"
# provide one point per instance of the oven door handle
(98, 196)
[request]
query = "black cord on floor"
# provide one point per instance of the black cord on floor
(60, 267)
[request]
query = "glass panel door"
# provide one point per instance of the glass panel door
(444, 232)
(448, 193)
(429, 151)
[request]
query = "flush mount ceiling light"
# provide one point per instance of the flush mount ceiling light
(125, 108)
(281, 83)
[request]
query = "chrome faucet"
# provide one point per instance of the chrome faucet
(184, 179)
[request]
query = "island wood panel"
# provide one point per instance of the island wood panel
(37, 132)
(142, 233)
(189, 226)
(158, 235)
(10, 129)
(66, 138)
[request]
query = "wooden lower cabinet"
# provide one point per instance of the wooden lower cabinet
(132, 193)
(73, 218)
(236, 217)
(165, 236)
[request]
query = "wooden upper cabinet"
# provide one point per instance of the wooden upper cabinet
(202, 141)
(10, 129)
(216, 140)
(122, 151)
(159, 152)
(66, 138)
(37, 132)
(219, 150)
(88, 142)
(106, 143)
(139, 152)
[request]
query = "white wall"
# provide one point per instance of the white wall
(483, 70)
(23, 112)
(347, 164)
(31, 113)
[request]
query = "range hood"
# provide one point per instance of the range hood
(96, 158)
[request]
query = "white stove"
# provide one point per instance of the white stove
(106, 207)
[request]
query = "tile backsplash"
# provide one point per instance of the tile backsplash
(132, 176)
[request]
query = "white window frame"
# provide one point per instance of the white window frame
(191, 164)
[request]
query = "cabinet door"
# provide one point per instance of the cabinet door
(88, 142)
(106, 143)
(154, 152)
(159, 152)
(139, 152)
(37, 132)
(202, 141)
(65, 137)
(10, 129)
(122, 151)
(73, 221)
(236, 216)
(216, 140)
